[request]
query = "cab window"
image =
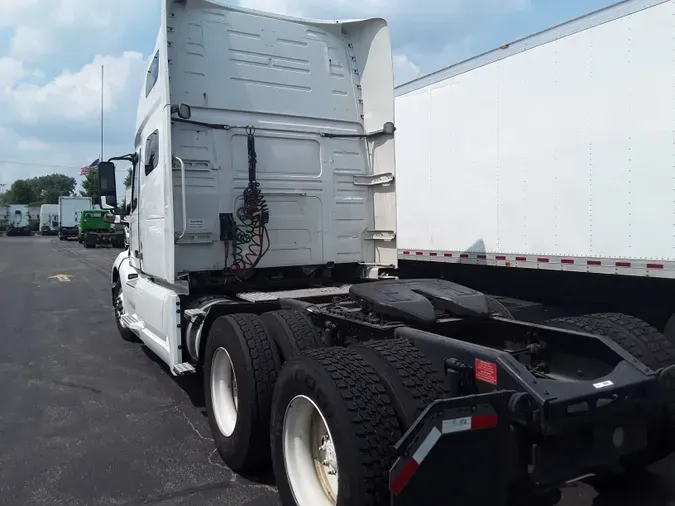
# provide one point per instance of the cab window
(153, 74)
(151, 152)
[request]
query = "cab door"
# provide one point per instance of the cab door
(135, 254)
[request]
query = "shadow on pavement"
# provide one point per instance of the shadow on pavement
(643, 489)
(192, 385)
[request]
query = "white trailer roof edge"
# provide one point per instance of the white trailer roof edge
(576, 25)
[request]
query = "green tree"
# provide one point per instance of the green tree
(51, 187)
(40, 190)
(22, 191)
(127, 180)
(90, 185)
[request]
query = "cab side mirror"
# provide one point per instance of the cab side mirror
(109, 218)
(107, 185)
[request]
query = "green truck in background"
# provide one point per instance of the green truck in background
(93, 230)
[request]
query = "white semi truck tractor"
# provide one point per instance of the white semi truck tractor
(262, 256)
(18, 220)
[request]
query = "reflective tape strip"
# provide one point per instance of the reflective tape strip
(652, 268)
(414, 463)
(426, 446)
(456, 425)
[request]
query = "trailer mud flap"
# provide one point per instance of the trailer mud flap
(459, 452)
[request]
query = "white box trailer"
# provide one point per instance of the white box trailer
(49, 219)
(70, 212)
(551, 153)
(18, 220)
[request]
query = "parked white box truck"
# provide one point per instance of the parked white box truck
(49, 219)
(18, 220)
(262, 248)
(544, 169)
(70, 212)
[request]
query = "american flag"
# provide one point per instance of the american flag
(85, 170)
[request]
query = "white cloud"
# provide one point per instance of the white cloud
(11, 70)
(78, 95)
(29, 43)
(31, 145)
(13, 11)
(404, 69)
(386, 8)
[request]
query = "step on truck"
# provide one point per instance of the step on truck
(93, 230)
(262, 258)
(70, 212)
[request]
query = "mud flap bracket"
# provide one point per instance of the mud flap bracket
(453, 442)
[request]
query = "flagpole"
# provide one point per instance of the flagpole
(101, 153)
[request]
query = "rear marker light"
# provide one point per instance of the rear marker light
(419, 253)
(406, 252)
(463, 255)
(594, 262)
(654, 266)
(499, 257)
(623, 264)
(542, 260)
(482, 257)
(447, 254)
(433, 254)
(521, 259)
(567, 261)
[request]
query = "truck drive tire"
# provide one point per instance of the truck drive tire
(408, 376)
(292, 331)
(651, 348)
(90, 240)
(333, 429)
(241, 365)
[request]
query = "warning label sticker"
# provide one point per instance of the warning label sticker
(486, 371)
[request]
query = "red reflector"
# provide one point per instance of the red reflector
(542, 260)
(483, 421)
(566, 261)
(521, 259)
(594, 262)
(419, 253)
(500, 257)
(654, 266)
(447, 254)
(433, 254)
(463, 255)
(404, 476)
(623, 264)
(482, 257)
(406, 252)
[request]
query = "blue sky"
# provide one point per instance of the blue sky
(51, 52)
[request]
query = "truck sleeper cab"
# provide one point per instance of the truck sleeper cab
(262, 240)
(18, 220)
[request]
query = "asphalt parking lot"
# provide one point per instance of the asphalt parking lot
(89, 419)
(85, 417)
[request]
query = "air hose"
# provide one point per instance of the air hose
(252, 216)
